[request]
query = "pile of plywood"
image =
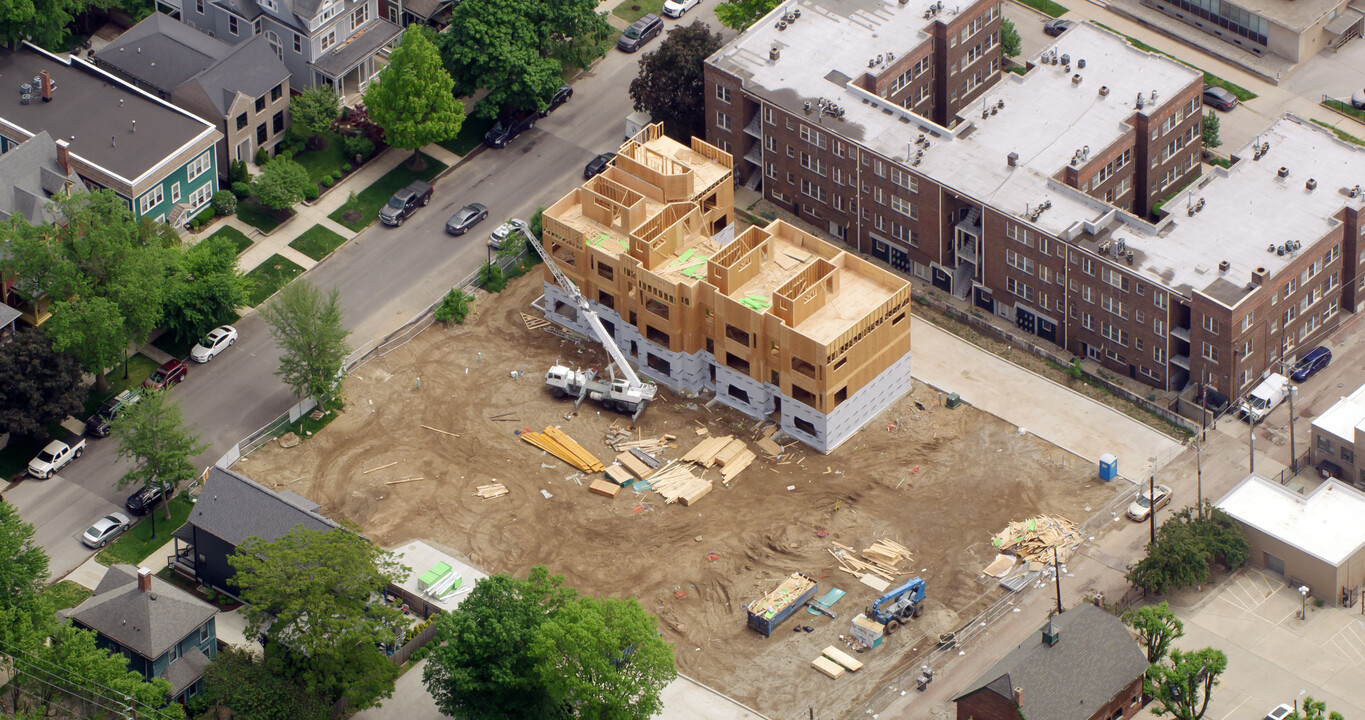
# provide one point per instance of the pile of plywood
(562, 446)
(833, 661)
(730, 453)
(490, 491)
(879, 564)
(677, 484)
(1035, 539)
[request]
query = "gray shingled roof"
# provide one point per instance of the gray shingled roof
(185, 670)
(374, 36)
(95, 112)
(148, 623)
(162, 52)
(29, 177)
(1093, 661)
(252, 69)
(232, 508)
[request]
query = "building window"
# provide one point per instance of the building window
(812, 190)
(298, 43)
(241, 121)
(261, 134)
(198, 166)
(200, 195)
(905, 208)
(1210, 353)
(1324, 444)
(723, 93)
(199, 6)
(360, 16)
(274, 40)
(329, 40)
(722, 120)
(1348, 455)
(150, 200)
(277, 122)
(232, 24)
(260, 103)
(256, 26)
(175, 192)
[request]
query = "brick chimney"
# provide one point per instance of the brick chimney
(144, 579)
(47, 86)
(64, 156)
(1019, 697)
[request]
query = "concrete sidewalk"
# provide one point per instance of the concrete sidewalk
(1053, 412)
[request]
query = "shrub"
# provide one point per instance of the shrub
(262, 156)
(491, 278)
(294, 137)
(241, 189)
(327, 181)
(336, 174)
(311, 193)
(454, 308)
(345, 167)
(237, 172)
(359, 145)
(194, 225)
(224, 202)
(287, 153)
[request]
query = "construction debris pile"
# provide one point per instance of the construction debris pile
(622, 440)
(782, 598)
(1035, 539)
(879, 565)
(730, 453)
(555, 442)
(490, 491)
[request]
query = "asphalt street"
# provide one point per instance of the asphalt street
(385, 276)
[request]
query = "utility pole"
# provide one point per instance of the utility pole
(1252, 445)
(1293, 454)
(1199, 474)
(1057, 566)
(1151, 504)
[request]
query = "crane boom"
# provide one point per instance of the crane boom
(584, 309)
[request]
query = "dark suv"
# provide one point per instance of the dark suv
(640, 32)
(101, 422)
(405, 202)
(508, 126)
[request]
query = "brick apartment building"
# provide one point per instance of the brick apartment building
(1031, 194)
(775, 321)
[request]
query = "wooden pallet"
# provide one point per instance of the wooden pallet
(555, 442)
(604, 488)
(533, 322)
(488, 492)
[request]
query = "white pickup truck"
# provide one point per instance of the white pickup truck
(55, 456)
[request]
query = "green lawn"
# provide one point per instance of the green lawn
(270, 276)
(1348, 137)
(261, 218)
(471, 134)
(139, 366)
(632, 10)
(369, 200)
(136, 544)
(317, 242)
(321, 163)
(66, 594)
(1047, 7)
(236, 236)
(1242, 93)
(1346, 109)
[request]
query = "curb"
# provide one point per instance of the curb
(1352, 118)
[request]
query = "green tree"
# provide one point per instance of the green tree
(237, 681)
(740, 14)
(44, 22)
(92, 331)
(314, 111)
(412, 99)
(25, 615)
(38, 386)
(281, 184)
(537, 222)
(1208, 129)
(518, 49)
(1009, 38)
(481, 667)
(312, 593)
(1314, 710)
(1156, 627)
(152, 433)
(454, 307)
(309, 331)
(1181, 685)
(1186, 545)
(604, 659)
(212, 290)
(76, 671)
(671, 86)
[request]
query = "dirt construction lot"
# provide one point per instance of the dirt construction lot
(941, 482)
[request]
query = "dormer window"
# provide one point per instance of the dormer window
(328, 12)
(269, 5)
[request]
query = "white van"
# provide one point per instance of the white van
(1266, 397)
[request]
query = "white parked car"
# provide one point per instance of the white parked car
(106, 529)
(1280, 712)
(216, 341)
(676, 8)
(1142, 506)
(496, 239)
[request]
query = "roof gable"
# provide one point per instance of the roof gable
(233, 508)
(148, 623)
(29, 176)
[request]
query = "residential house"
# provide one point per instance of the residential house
(163, 631)
(242, 89)
(33, 174)
(230, 509)
(435, 13)
(158, 158)
(338, 43)
(1082, 665)
(1339, 439)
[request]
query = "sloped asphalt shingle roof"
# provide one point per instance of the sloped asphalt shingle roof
(162, 52)
(148, 623)
(1095, 658)
(29, 177)
(232, 507)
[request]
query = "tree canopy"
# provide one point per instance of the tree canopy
(312, 593)
(1156, 627)
(152, 433)
(533, 648)
(281, 184)
(1314, 710)
(1186, 545)
(212, 289)
(671, 84)
(413, 98)
(1180, 686)
(517, 49)
(1010, 42)
(314, 110)
(38, 386)
(309, 331)
(43, 21)
(740, 14)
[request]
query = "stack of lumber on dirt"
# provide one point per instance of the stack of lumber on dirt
(619, 475)
(604, 488)
(634, 465)
(1034, 540)
(555, 442)
(622, 439)
(730, 453)
(490, 491)
(677, 484)
(881, 561)
(843, 658)
(827, 666)
(787, 593)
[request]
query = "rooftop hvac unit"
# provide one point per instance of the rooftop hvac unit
(1076, 79)
(1104, 91)
(1140, 102)
(1312, 184)
(1224, 266)
(1129, 257)
(1120, 246)
(1080, 63)
(1066, 59)
(1284, 172)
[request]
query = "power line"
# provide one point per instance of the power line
(126, 702)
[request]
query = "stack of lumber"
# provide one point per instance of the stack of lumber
(787, 593)
(1034, 540)
(490, 491)
(731, 454)
(562, 446)
(879, 565)
(677, 484)
(619, 475)
(842, 658)
(604, 488)
(622, 439)
(827, 666)
(635, 465)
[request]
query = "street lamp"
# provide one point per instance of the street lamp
(1303, 611)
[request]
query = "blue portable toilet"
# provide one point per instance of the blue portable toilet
(1109, 467)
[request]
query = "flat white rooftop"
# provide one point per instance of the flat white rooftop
(422, 558)
(1344, 417)
(1325, 523)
